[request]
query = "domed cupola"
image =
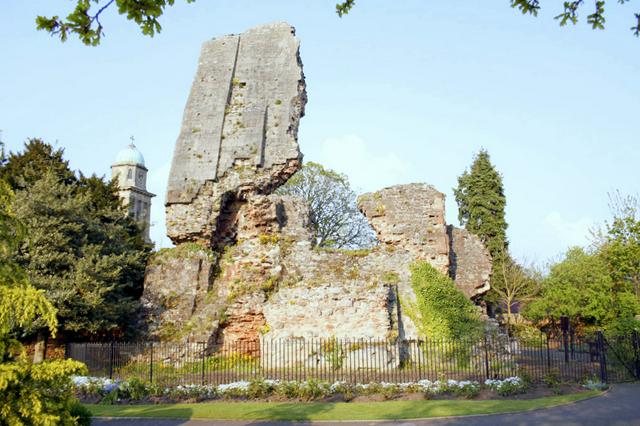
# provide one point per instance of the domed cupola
(130, 156)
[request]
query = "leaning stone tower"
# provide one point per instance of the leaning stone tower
(131, 173)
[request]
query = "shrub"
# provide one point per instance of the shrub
(259, 388)
(345, 389)
(369, 388)
(313, 389)
(551, 380)
(234, 390)
(333, 353)
(288, 389)
(390, 390)
(469, 391)
(508, 386)
(80, 413)
(134, 388)
(38, 394)
(595, 385)
(197, 392)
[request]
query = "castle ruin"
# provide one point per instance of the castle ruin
(246, 267)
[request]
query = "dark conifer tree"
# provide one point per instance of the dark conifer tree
(81, 247)
(481, 210)
(481, 204)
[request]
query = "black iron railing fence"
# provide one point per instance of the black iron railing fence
(542, 358)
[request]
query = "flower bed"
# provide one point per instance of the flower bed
(105, 391)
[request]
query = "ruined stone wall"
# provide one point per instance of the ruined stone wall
(249, 269)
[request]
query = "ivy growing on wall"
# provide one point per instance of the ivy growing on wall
(440, 311)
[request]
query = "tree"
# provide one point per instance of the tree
(84, 19)
(568, 14)
(481, 203)
(82, 249)
(21, 170)
(514, 284)
(621, 243)
(34, 394)
(334, 215)
(581, 287)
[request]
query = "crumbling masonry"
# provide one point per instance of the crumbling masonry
(246, 267)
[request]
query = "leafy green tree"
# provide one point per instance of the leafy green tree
(440, 310)
(581, 287)
(621, 244)
(32, 394)
(568, 13)
(82, 249)
(513, 284)
(334, 215)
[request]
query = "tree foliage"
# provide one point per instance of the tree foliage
(84, 20)
(581, 287)
(20, 304)
(514, 283)
(31, 394)
(621, 244)
(22, 170)
(82, 249)
(598, 288)
(441, 310)
(568, 13)
(481, 204)
(334, 215)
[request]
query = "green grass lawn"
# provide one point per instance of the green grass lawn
(332, 411)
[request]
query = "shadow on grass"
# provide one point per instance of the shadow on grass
(149, 415)
(262, 414)
(298, 412)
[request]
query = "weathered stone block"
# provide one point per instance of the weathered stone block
(412, 217)
(239, 129)
(470, 262)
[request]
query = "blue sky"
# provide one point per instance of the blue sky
(398, 92)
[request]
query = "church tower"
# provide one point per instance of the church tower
(131, 173)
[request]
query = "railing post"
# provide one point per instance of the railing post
(111, 355)
(564, 324)
(603, 358)
(204, 349)
(151, 364)
(635, 338)
(486, 357)
(548, 355)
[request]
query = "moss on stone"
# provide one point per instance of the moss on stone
(391, 277)
(181, 251)
(348, 252)
(268, 239)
